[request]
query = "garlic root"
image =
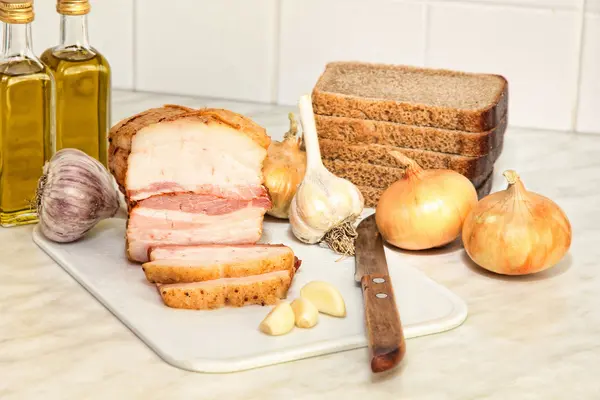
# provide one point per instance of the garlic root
(341, 238)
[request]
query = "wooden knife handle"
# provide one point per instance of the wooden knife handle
(386, 339)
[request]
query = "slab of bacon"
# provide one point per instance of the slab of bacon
(193, 183)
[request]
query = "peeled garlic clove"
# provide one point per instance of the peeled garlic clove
(279, 321)
(305, 312)
(325, 297)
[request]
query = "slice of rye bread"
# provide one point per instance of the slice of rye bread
(372, 194)
(363, 174)
(376, 154)
(360, 131)
(411, 95)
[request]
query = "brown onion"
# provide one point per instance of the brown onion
(284, 169)
(515, 231)
(424, 209)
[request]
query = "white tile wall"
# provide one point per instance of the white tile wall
(551, 4)
(592, 6)
(110, 31)
(314, 32)
(213, 48)
(272, 51)
(535, 49)
(589, 96)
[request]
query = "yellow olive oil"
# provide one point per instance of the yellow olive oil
(83, 80)
(26, 115)
(25, 138)
(82, 99)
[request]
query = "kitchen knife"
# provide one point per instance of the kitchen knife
(386, 339)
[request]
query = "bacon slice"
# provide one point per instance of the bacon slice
(180, 264)
(194, 156)
(263, 289)
(190, 219)
(194, 186)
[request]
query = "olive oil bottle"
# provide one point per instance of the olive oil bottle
(26, 115)
(82, 77)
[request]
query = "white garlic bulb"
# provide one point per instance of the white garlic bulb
(325, 206)
(74, 193)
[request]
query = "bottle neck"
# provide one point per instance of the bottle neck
(16, 40)
(73, 31)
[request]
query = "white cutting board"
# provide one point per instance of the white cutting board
(228, 339)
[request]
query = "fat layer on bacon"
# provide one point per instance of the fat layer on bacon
(194, 156)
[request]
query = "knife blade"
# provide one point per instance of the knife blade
(386, 338)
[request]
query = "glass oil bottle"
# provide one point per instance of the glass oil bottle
(82, 77)
(26, 115)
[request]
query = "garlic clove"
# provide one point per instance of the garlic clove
(279, 321)
(325, 297)
(305, 312)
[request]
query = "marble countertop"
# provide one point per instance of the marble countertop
(534, 337)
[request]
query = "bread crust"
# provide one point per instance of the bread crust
(354, 131)
(474, 168)
(344, 105)
(379, 176)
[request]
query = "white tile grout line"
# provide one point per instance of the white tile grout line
(580, 47)
(134, 62)
(426, 33)
(491, 3)
(276, 50)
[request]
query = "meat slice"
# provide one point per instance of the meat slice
(183, 137)
(190, 156)
(179, 264)
(191, 219)
(263, 289)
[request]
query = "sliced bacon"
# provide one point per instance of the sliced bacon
(206, 204)
(192, 156)
(189, 219)
(238, 192)
(197, 263)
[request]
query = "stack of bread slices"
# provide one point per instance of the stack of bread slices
(439, 118)
(196, 201)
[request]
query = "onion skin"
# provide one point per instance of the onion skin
(515, 231)
(426, 208)
(283, 171)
